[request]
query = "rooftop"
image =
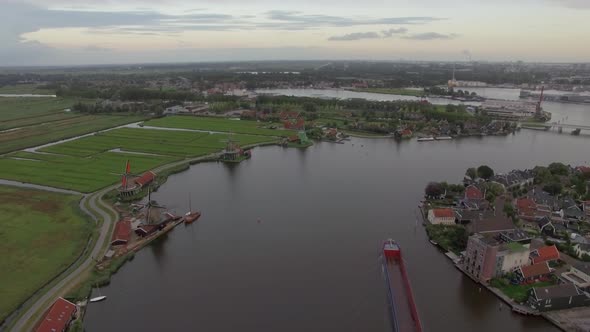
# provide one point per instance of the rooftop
(58, 316)
(515, 246)
(557, 291)
(535, 270)
(546, 253)
(444, 213)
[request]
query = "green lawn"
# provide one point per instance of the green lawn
(518, 293)
(391, 91)
(217, 124)
(450, 237)
(41, 234)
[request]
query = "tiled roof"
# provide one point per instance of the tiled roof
(472, 192)
(444, 213)
(58, 316)
(145, 178)
(556, 291)
(535, 270)
(547, 253)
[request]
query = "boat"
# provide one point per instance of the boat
(99, 297)
(403, 313)
(443, 138)
(434, 242)
(425, 139)
(191, 216)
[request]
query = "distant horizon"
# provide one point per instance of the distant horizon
(82, 32)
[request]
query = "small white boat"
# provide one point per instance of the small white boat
(443, 138)
(425, 139)
(98, 298)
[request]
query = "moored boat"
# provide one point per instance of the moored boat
(191, 217)
(98, 298)
(425, 139)
(443, 138)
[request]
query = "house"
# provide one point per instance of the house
(122, 232)
(58, 317)
(174, 110)
(491, 221)
(445, 216)
(516, 235)
(544, 254)
(480, 257)
(557, 297)
(586, 208)
(514, 179)
(545, 226)
(511, 256)
(526, 208)
(579, 275)
(544, 199)
(585, 170)
(146, 178)
(582, 249)
(473, 194)
(532, 273)
(573, 213)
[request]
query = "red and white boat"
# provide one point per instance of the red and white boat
(191, 217)
(391, 249)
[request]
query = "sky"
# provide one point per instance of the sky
(60, 32)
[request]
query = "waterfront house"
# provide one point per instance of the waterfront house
(582, 249)
(544, 254)
(58, 317)
(557, 297)
(473, 194)
(122, 232)
(579, 275)
(511, 256)
(480, 257)
(532, 273)
(445, 216)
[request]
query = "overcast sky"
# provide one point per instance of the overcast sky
(60, 32)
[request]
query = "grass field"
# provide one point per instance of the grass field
(71, 126)
(26, 89)
(86, 164)
(42, 233)
(13, 108)
(217, 124)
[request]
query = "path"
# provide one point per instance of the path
(39, 187)
(54, 292)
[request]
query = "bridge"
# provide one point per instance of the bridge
(560, 125)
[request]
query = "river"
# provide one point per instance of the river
(289, 240)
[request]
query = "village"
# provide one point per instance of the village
(524, 235)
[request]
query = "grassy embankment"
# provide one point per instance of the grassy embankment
(88, 164)
(449, 237)
(42, 233)
(392, 91)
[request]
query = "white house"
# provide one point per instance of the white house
(445, 216)
(579, 275)
(582, 249)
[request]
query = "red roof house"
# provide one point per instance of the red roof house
(535, 271)
(545, 254)
(473, 193)
(441, 216)
(583, 169)
(122, 233)
(58, 317)
(146, 178)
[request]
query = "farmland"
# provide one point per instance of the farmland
(88, 164)
(71, 126)
(25, 89)
(42, 233)
(217, 124)
(15, 108)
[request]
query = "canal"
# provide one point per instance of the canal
(290, 240)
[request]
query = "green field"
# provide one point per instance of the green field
(86, 164)
(15, 108)
(217, 124)
(391, 91)
(70, 126)
(42, 233)
(26, 89)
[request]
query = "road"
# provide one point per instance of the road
(54, 292)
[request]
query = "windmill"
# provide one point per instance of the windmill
(232, 149)
(128, 188)
(152, 209)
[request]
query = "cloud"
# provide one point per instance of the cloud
(356, 36)
(369, 35)
(430, 36)
(577, 4)
(391, 32)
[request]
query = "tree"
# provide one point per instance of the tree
(542, 174)
(434, 189)
(485, 172)
(558, 169)
(553, 188)
(309, 107)
(509, 210)
(471, 172)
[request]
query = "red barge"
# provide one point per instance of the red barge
(403, 312)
